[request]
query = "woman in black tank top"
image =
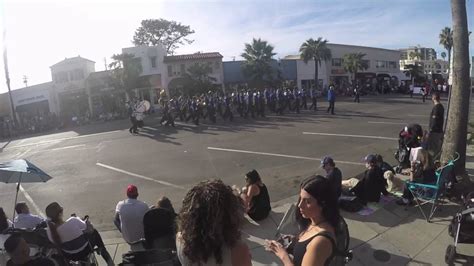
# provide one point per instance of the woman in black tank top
(318, 216)
(255, 196)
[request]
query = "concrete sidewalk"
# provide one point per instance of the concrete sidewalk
(392, 235)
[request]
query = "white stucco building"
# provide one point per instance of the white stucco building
(383, 66)
(177, 66)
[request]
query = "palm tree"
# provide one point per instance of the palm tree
(126, 69)
(316, 50)
(415, 55)
(354, 62)
(198, 78)
(257, 65)
(414, 71)
(458, 105)
(446, 39)
(443, 55)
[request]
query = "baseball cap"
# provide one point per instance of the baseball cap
(327, 160)
(370, 158)
(132, 191)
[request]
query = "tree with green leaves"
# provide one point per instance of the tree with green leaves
(443, 55)
(354, 62)
(316, 50)
(198, 79)
(458, 107)
(126, 70)
(415, 55)
(170, 34)
(257, 65)
(446, 40)
(415, 71)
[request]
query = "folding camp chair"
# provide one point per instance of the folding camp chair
(432, 193)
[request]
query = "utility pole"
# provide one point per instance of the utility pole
(7, 76)
(25, 80)
(105, 63)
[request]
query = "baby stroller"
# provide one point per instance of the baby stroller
(408, 138)
(461, 228)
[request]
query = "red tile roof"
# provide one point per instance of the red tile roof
(195, 56)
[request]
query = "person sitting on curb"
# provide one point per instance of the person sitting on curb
(333, 174)
(19, 253)
(421, 171)
(129, 216)
(369, 188)
(210, 224)
(318, 217)
(159, 224)
(24, 218)
(255, 197)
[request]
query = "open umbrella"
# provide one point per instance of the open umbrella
(18, 171)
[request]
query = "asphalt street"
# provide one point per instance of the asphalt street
(92, 165)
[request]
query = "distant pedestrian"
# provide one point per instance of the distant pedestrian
(357, 94)
(435, 135)
(331, 99)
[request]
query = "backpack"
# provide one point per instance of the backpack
(342, 254)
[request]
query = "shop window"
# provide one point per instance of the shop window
(380, 64)
(336, 62)
(216, 65)
(183, 69)
(392, 64)
(170, 71)
(153, 61)
(367, 63)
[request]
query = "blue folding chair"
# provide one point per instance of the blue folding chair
(432, 193)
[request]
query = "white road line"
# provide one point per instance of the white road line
(68, 147)
(139, 176)
(278, 155)
(62, 139)
(350, 136)
(150, 128)
(391, 123)
(32, 203)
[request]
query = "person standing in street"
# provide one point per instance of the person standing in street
(435, 135)
(331, 99)
(131, 112)
(357, 94)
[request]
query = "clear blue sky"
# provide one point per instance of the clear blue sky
(43, 32)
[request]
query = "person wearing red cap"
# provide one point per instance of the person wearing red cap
(129, 216)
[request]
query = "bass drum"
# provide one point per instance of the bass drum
(142, 106)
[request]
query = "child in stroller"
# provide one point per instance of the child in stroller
(408, 138)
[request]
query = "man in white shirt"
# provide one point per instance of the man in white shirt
(129, 216)
(24, 218)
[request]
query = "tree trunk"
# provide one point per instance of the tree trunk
(316, 80)
(450, 64)
(456, 129)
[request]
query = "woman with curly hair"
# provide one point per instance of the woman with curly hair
(318, 218)
(209, 222)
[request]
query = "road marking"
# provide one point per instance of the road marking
(139, 176)
(62, 139)
(151, 128)
(32, 203)
(278, 155)
(417, 115)
(391, 123)
(346, 135)
(68, 147)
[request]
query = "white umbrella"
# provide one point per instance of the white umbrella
(18, 171)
